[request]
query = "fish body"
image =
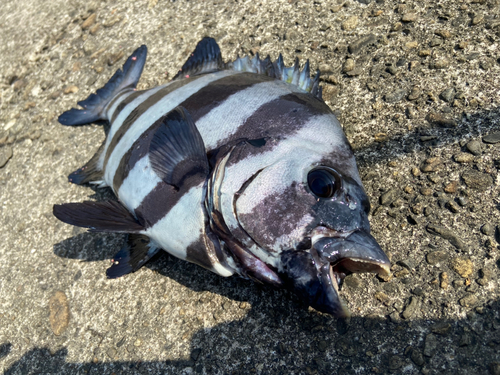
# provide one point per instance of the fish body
(238, 167)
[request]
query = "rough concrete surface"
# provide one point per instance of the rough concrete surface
(416, 85)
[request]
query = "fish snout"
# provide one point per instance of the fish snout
(352, 253)
(315, 275)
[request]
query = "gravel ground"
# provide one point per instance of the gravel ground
(416, 87)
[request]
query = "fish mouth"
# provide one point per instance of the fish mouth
(317, 275)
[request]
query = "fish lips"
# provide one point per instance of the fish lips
(314, 275)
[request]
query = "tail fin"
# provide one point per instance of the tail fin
(95, 104)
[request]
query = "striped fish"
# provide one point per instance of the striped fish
(238, 167)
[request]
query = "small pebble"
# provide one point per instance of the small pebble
(451, 188)
(468, 301)
(348, 65)
(424, 52)
(436, 257)
(453, 206)
(477, 20)
(417, 357)
(440, 64)
(448, 95)
(462, 201)
(447, 234)
(55, 94)
(395, 96)
(444, 280)
(463, 157)
(111, 352)
(492, 138)
(388, 197)
(409, 17)
(474, 147)
(463, 266)
(414, 93)
(445, 34)
(115, 57)
(397, 26)
(431, 165)
(70, 89)
(439, 120)
(59, 313)
(350, 23)
(430, 345)
(477, 180)
(411, 45)
(442, 328)
(89, 21)
(426, 191)
(488, 229)
(435, 42)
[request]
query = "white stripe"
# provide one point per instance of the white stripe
(182, 227)
(125, 112)
(224, 120)
(140, 181)
(163, 106)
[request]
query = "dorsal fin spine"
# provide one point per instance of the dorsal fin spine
(207, 58)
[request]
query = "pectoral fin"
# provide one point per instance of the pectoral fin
(177, 151)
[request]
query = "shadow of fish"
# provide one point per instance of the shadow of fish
(238, 167)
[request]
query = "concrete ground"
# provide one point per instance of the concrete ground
(416, 85)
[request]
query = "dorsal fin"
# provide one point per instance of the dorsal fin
(278, 70)
(205, 58)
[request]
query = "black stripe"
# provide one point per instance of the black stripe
(161, 199)
(215, 93)
(198, 105)
(202, 253)
(139, 110)
(138, 150)
(274, 121)
(124, 103)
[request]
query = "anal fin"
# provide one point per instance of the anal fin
(89, 172)
(136, 251)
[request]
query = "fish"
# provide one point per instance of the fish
(239, 167)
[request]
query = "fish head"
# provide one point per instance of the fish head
(307, 216)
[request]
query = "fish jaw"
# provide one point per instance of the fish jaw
(316, 274)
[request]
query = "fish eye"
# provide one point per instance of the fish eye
(323, 182)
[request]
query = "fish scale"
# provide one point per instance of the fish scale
(239, 167)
